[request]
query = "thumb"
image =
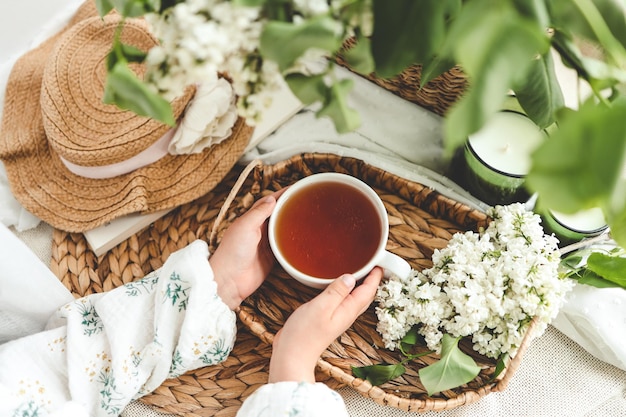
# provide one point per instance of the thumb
(337, 291)
(261, 210)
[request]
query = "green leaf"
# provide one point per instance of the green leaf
(454, 369)
(611, 268)
(124, 53)
(359, 57)
(128, 92)
(336, 107)
(500, 365)
(408, 32)
(598, 74)
(434, 68)
(615, 213)
(166, 4)
(580, 19)
(612, 12)
(409, 340)
(378, 374)
(133, 54)
(249, 3)
(535, 10)
(104, 7)
(572, 261)
(136, 8)
(308, 89)
(592, 279)
(578, 167)
(284, 42)
(496, 50)
(540, 94)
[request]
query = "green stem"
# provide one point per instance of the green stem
(602, 31)
(415, 356)
(571, 59)
(117, 43)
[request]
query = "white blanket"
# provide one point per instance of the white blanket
(29, 291)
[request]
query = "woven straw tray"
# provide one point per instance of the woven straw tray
(421, 220)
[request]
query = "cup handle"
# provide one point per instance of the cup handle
(393, 264)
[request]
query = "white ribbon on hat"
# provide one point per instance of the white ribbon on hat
(207, 121)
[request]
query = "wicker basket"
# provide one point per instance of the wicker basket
(438, 95)
(421, 220)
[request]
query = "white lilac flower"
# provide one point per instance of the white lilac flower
(201, 38)
(488, 285)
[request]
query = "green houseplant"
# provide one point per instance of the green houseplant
(501, 45)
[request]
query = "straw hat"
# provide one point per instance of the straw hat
(76, 162)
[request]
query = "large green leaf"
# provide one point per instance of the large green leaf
(128, 92)
(578, 167)
(540, 94)
(434, 68)
(336, 107)
(611, 268)
(573, 267)
(359, 57)
(454, 369)
(408, 32)
(495, 47)
(536, 10)
(592, 279)
(284, 42)
(308, 89)
(612, 12)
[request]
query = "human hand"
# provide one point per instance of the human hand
(243, 258)
(314, 325)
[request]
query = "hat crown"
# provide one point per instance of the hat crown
(44, 184)
(80, 127)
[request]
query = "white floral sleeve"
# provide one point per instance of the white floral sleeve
(300, 399)
(105, 350)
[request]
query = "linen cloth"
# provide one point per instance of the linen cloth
(100, 352)
(24, 273)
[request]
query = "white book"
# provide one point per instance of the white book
(107, 236)
(283, 107)
(103, 238)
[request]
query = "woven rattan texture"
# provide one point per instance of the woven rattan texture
(438, 95)
(421, 220)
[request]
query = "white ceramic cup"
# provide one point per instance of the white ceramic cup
(391, 263)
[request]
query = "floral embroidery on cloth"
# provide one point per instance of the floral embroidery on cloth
(105, 351)
(101, 352)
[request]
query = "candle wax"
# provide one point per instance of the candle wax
(582, 221)
(506, 142)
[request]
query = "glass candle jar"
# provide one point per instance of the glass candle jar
(496, 159)
(572, 228)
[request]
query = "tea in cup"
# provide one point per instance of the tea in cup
(329, 224)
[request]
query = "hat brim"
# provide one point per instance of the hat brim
(47, 189)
